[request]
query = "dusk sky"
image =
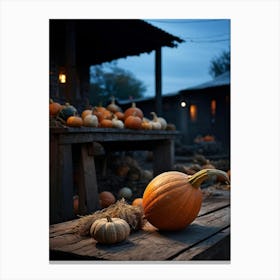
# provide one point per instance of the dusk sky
(188, 64)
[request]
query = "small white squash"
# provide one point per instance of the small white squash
(162, 121)
(90, 121)
(110, 230)
(117, 123)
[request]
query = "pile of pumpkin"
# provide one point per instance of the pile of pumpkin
(111, 116)
(171, 201)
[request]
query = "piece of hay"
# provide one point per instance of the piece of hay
(133, 215)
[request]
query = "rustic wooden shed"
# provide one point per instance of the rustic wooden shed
(77, 44)
(199, 110)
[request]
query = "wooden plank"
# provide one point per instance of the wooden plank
(99, 130)
(54, 189)
(70, 135)
(155, 245)
(61, 189)
(65, 240)
(213, 203)
(108, 137)
(207, 249)
(62, 228)
(89, 180)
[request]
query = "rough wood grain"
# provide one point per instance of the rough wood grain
(70, 135)
(65, 183)
(89, 180)
(201, 250)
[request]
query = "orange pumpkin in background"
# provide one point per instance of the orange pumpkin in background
(106, 123)
(120, 115)
(54, 107)
(102, 113)
(133, 122)
(106, 199)
(133, 111)
(137, 202)
(74, 121)
(86, 112)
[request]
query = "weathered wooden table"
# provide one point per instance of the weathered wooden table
(62, 140)
(207, 238)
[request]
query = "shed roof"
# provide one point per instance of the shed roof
(221, 80)
(104, 40)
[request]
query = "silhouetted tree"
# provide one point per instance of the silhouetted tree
(220, 64)
(110, 80)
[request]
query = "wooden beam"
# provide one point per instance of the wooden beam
(70, 53)
(158, 82)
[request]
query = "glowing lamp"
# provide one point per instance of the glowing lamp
(183, 104)
(62, 78)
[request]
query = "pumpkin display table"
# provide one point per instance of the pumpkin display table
(207, 238)
(62, 140)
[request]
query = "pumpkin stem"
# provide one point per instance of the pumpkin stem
(199, 177)
(133, 105)
(109, 219)
(113, 100)
(155, 117)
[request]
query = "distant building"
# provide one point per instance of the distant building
(197, 111)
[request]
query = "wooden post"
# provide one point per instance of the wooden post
(158, 76)
(163, 157)
(65, 182)
(70, 53)
(88, 180)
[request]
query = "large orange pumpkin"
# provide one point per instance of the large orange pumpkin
(172, 200)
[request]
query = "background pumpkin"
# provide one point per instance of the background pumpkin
(106, 123)
(162, 121)
(125, 193)
(133, 110)
(137, 202)
(90, 120)
(86, 113)
(54, 108)
(113, 107)
(133, 122)
(66, 112)
(172, 200)
(106, 199)
(120, 115)
(74, 121)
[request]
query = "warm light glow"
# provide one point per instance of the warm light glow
(193, 112)
(183, 104)
(213, 107)
(62, 78)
